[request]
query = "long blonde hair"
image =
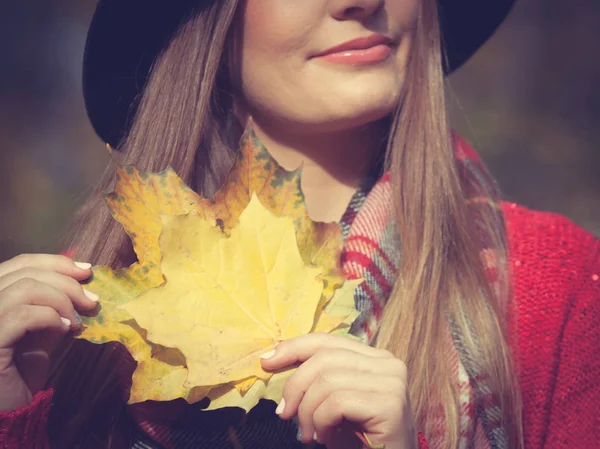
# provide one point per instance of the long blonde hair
(185, 119)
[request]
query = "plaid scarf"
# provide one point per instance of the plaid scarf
(372, 252)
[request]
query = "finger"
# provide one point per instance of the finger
(342, 380)
(328, 360)
(300, 349)
(51, 262)
(80, 297)
(17, 322)
(378, 414)
(29, 291)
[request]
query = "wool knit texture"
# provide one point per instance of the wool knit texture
(555, 269)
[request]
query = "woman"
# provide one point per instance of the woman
(481, 316)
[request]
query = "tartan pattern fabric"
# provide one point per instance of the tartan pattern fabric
(372, 252)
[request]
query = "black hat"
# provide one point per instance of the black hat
(125, 36)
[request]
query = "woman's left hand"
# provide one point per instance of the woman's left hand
(341, 380)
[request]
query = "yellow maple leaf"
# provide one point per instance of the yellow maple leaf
(279, 190)
(141, 202)
(137, 202)
(140, 198)
(153, 379)
(230, 298)
(336, 318)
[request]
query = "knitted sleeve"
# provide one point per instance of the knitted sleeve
(556, 274)
(26, 427)
(575, 407)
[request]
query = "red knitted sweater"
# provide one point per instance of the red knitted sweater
(556, 279)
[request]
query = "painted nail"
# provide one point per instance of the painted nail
(268, 355)
(78, 319)
(280, 407)
(83, 265)
(299, 434)
(66, 322)
(91, 296)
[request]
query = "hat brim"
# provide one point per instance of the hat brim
(126, 35)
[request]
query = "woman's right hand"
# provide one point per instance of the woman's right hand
(38, 297)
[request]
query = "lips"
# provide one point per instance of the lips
(363, 51)
(362, 43)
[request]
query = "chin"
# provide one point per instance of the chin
(347, 113)
(342, 108)
(360, 111)
(378, 95)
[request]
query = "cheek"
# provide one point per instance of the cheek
(274, 26)
(275, 37)
(404, 12)
(258, 24)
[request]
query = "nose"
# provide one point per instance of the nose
(354, 9)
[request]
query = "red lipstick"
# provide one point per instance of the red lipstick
(364, 50)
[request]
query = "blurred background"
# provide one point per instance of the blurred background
(529, 102)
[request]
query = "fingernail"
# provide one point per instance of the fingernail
(268, 355)
(78, 319)
(66, 322)
(280, 407)
(91, 296)
(299, 434)
(83, 265)
(315, 437)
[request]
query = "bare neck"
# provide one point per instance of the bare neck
(333, 165)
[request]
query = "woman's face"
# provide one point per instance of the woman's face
(294, 71)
